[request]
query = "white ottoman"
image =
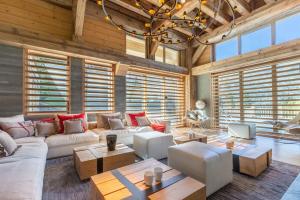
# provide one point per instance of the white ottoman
(152, 144)
(209, 164)
(242, 130)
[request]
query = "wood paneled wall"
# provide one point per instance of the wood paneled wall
(206, 57)
(46, 19)
(37, 16)
(101, 34)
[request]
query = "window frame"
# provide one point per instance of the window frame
(26, 82)
(135, 38)
(164, 55)
(85, 87)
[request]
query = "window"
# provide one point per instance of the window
(256, 40)
(47, 82)
(171, 56)
(160, 95)
(167, 55)
(258, 95)
(226, 49)
(159, 54)
(135, 46)
(98, 87)
(288, 29)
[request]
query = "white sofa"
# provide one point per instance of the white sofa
(62, 145)
(22, 174)
(208, 164)
(152, 144)
(242, 130)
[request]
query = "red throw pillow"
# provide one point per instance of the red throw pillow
(63, 118)
(133, 117)
(158, 127)
(49, 120)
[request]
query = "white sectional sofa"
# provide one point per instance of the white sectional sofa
(22, 173)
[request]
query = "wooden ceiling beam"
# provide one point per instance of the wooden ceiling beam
(198, 52)
(63, 3)
(220, 18)
(78, 14)
(130, 7)
(259, 17)
(241, 6)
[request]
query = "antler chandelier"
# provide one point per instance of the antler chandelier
(168, 16)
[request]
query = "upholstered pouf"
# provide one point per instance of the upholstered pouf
(152, 144)
(242, 130)
(209, 164)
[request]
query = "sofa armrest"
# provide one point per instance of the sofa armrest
(167, 123)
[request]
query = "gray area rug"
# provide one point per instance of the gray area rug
(62, 183)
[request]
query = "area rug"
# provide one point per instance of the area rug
(62, 183)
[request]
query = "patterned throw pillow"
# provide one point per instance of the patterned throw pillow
(18, 129)
(73, 126)
(10, 146)
(143, 121)
(116, 124)
(17, 118)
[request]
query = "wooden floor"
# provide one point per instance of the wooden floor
(286, 151)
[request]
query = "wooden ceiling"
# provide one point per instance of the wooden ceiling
(242, 8)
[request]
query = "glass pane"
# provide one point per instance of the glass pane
(262, 38)
(135, 46)
(227, 49)
(159, 55)
(172, 56)
(288, 29)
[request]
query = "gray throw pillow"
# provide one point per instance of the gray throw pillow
(10, 146)
(102, 119)
(143, 121)
(45, 129)
(115, 124)
(73, 126)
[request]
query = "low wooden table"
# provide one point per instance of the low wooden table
(249, 159)
(186, 138)
(94, 159)
(127, 183)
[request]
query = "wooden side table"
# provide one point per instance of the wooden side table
(94, 159)
(186, 138)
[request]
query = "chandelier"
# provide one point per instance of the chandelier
(164, 19)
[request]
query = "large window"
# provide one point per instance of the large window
(98, 87)
(283, 30)
(167, 55)
(135, 46)
(47, 82)
(258, 95)
(226, 49)
(256, 40)
(288, 29)
(159, 95)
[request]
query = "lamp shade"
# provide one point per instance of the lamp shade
(200, 104)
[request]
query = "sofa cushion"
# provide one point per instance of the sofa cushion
(22, 173)
(32, 139)
(133, 117)
(63, 118)
(44, 129)
(116, 124)
(73, 126)
(70, 139)
(143, 121)
(17, 118)
(18, 129)
(8, 143)
(102, 119)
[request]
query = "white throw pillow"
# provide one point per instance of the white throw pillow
(45, 129)
(10, 146)
(16, 118)
(73, 126)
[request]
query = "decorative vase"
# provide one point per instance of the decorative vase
(111, 142)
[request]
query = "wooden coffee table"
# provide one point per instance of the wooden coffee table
(94, 159)
(127, 183)
(186, 138)
(249, 159)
